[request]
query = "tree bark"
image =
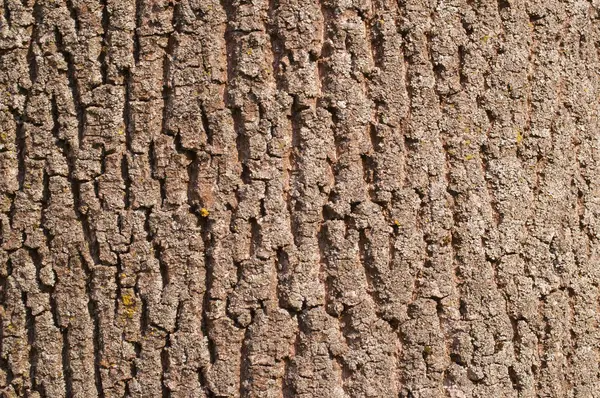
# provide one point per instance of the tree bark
(299, 198)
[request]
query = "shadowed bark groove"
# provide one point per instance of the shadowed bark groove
(288, 198)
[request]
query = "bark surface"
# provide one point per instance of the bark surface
(299, 198)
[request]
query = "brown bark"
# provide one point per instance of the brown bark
(290, 198)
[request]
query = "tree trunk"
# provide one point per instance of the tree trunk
(292, 198)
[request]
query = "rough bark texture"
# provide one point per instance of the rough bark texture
(292, 198)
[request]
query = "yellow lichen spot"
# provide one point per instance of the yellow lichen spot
(121, 132)
(519, 137)
(469, 157)
(123, 275)
(427, 350)
(3, 137)
(485, 38)
(129, 312)
(204, 212)
(127, 300)
(249, 51)
(446, 240)
(467, 142)
(397, 223)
